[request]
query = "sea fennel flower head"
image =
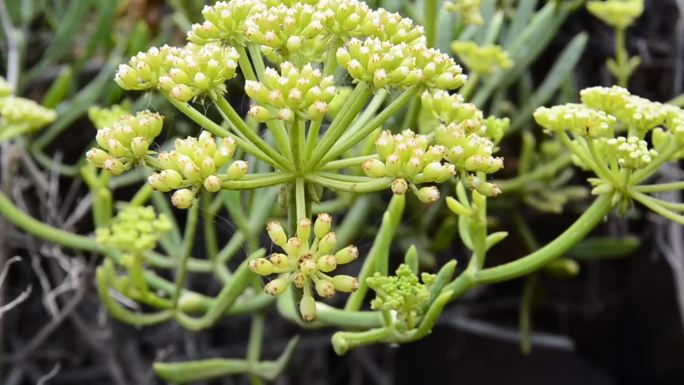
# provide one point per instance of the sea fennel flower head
(308, 258)
(195, 163)
(125, 142)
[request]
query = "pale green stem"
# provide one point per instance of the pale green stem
(393, 108)
(350, 109)
(186, 251)
(376, 185)
(652, 204)
(665, 155)
(312, 139)
(584, 224)
(348, 162)
(300, 198)
(657, 188)
(262, 180)
(229, 113)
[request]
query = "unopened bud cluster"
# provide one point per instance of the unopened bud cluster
(630, 153)
(193, 163)
(126, 142)
(467, 150)
(468, 9)
(578, 119)
(618, 14)
(307, 259)
(384, 64)
(631, 110)
(182, 73)
(481, 59)
(450, 109)
(134, 230)
(224, 22)
(403, 293)
(288, 33)
(19, 115)
(293, 93)
(409, 157)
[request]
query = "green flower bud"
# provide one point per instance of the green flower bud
(279, 261)
(374, 168)
(277, 286)
(428, 194)
(139, 146)
(307, 266)
(345, 283)
(97, 157)
(114, 166)
(346, 255)
(324, 288)
(261, 266)
(482, 60)
(307, 307)
(237, 170)
(294, 247)
(322, 225)
(304, 229)
(326, 263)
(212, 183)
(327, 244)
(276, 233)
(399, 186)
(182, 198)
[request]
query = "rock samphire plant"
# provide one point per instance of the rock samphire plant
(339, 101)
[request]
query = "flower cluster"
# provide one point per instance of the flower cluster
(225, 22)
(468, 9)
(105, 117)
(134, 230)
(306, 262)
(19, 115)
(629, 153)
(579, 119)
(481, 59)
(125, 142)
(183, 73)
(618, 14)
(402, 293)
(294, 93)
(289, 33)
(384, 64)
(409, 157)
(632, 111)
(196, 162)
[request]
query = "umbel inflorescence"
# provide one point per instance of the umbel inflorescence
(322, 78)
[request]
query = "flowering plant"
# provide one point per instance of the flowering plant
(342, 100)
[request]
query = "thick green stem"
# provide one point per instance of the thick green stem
(662, 187)
(350, 109)
(240, 126)
(584, 224)
(186, 251)
(43, 231)
(337, 185)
